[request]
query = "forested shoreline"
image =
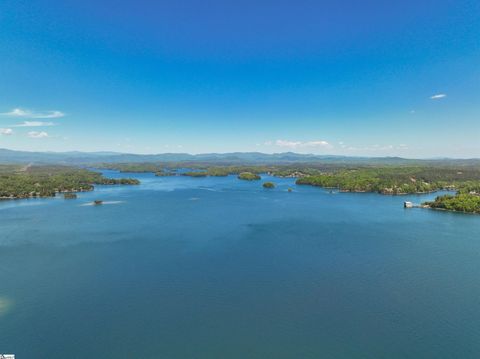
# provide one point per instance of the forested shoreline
(398, 180)
(46, 181)
(382, 179)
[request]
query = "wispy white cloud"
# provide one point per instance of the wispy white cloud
(34, 124)
(300, 144)
(16, 112)
(23, 113)
(438, 96)
(37, 134)
(376, 148)
(6, 131)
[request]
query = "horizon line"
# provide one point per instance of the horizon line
(243, 152)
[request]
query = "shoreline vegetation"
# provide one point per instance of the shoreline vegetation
(206, 169)
(17, 182)
(460, 202)
(195, 174)
(45, 181)
(398, 180)
(249, 176)
(393, 179)
(410, 180)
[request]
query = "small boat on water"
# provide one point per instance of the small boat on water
(97, 202)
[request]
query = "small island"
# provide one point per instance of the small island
(392, 177)
(163, 173)
(249, 176)
(269, 185)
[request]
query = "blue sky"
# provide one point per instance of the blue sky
(328, 77)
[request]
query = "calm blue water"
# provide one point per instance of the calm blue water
(184, 267)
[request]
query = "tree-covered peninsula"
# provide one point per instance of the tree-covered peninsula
(163, 173)
(223, 171)
(461, 202)
(164, 169)
(46, 181)
(195, 174)
(396, 180)
(467, 199)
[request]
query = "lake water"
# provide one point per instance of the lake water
(183, 267)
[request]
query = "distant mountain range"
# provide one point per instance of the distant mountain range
(82, 158)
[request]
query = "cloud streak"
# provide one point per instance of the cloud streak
(34, 124)
(6, 131)
(23, 113)
(299, 144)
(438, 96)
(375, 148)
(37, 134)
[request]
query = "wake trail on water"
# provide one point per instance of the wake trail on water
(103, 203)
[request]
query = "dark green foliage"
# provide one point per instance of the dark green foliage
(216, 170)
(396, 180)
(196, 174)
(131, 167)
(416, 177)
(248, 176)
(461, 202)
(163, 173)
(45, 181)
(219, 171)
(269, 185)
(469, 187)
(223, 171)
